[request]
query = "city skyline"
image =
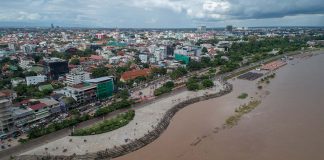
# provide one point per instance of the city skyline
(161, 13)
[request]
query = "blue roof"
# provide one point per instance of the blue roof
(116, 44)
(101, 79)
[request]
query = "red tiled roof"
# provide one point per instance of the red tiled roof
(134, 74)
(96, 57)
(121, 53)
(26, 101)
(2, 94)
(38, 106)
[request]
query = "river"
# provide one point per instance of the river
(287, 125)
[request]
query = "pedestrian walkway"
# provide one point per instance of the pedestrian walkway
(145, 120)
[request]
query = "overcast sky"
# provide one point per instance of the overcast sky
(162, 13)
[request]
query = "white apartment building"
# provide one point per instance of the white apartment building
(143, 58)
(160, 53)
(17, 80)
(76, 76)
(26, 63)
(33, 80)
(80, 93)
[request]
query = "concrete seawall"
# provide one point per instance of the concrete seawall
(137, 143)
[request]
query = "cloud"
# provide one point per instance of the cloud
(236, 9)
(20, 16)
(135, 13)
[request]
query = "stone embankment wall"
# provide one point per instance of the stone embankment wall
(138, 143)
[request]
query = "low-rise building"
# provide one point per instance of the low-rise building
(143, 58)
(53, 105)
(90, 90)
(22, 115)
(17, 80)
(41, 111)
(26, 63)
(8, 94)
(130, 75)
(33, 80)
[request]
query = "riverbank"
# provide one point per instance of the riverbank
(286, 125)
(148, 122)
(67, 151)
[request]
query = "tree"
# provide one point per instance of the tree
(123, 94)
(37, 57)
(30, 73)
(47, 91)
(169, 84)
(192, 86)
(204, 50)
(21, 89)
(179, 72)
(194, 66)
(100, 72)
(5, 83)
(207, 83)
(75, 61)
(145, 65)
(158, 71)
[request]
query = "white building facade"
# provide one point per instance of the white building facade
(76, 76)
(33, 80)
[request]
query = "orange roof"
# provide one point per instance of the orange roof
(6, 93)
(121, 53)
(2, 94)
(134, 74)
(273, 65)
(108, 65)
(83, 59)
(96, 57)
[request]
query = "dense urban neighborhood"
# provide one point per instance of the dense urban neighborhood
(55, 78)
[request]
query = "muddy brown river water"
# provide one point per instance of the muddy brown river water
(287, 125)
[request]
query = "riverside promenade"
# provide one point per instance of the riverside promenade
(146, 121)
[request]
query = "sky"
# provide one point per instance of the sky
(161, 13)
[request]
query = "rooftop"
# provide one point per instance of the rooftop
(54, 59)
(96, 57)
(135, 73)
(98, 80)
(38, 106)
(4, 100)
(48, 101)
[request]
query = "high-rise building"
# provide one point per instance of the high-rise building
(12, 47)
(6, 122)
(52, 26)
(56, 67)
(229, 28)
(201, 29)
(76, 76)
(170, 50)
(28, 48)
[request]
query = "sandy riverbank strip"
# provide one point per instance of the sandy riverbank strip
(146, 120)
